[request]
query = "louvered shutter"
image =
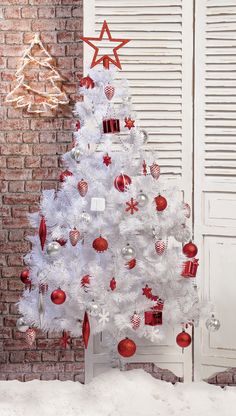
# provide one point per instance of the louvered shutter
(215, 174)
(158, 65)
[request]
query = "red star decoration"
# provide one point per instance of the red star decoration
(131, 206)
(147, 291)
(106, 59)
(65, 340)
(129, 122)
(106, 160)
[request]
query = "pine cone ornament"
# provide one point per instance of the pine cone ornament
(82, 187)
(109, 91)
(135, 320)
(74, 236)
(160, 247)
(155, 170)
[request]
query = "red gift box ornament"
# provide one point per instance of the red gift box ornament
(190, 268)
(153, 317)
(111, 125)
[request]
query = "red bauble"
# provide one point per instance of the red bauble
(42, 232)
(122, 182)
(190, 249)
(85, 281)
(65, 175)
(100, 244)
(58, 296)
(61, 241)
(130, 264)
(107, 159)
(86, 330)
(161, 203)
(113, 283)
(87, 82)
(183, 339)
(82, 187)
(126, 347)
(24, 276)
(77, 125)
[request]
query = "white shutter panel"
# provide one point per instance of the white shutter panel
(158, 65)
(215, 174)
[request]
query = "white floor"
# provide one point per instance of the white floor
(115, 393)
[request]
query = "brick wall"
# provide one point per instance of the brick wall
(29, 162)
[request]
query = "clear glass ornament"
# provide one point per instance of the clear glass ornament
(212, 324)
(142, 199)
(21, 324)
(85, 217)
(75, 153)
(128, 252)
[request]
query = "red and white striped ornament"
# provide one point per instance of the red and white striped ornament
(187, 210)
(109, 91)
(135, 320)
(30, 335)
(160, 247)
(155, 170)
(82, 187)
(74, 236)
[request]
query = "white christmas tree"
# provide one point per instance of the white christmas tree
(105, 257)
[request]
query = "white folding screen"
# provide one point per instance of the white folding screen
(215, 177)
(158, 65)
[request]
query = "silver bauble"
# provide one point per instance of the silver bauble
(53, 248)
(21, 325)
(93, 308)
(142, 199)
(75, 153)
(144, 135)
(212, 324)
(85, 217)
(128, 252)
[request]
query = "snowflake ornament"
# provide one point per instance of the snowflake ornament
(132, 206)
(153, 334)
(103, 317)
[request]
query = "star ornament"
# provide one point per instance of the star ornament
(129, 123)
(65, 340)
(105, 59)
(132, 206)
(147, 291)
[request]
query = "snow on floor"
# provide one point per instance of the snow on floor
(115, 393)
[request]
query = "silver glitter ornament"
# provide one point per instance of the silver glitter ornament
(212, 324)
(21, 325)
(144, 135)
(85, 217)
(128, 252)
(76, 153)
(142, 199)
(53, 248)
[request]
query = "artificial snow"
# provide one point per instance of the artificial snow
(115, 393)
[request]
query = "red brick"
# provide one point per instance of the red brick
(16, 235)
(16, 376)
(12, 12)
(25, 199)
(79, 355)
(3, 376)
(80, 377)
(4, 308)
(10, 321)
(15, 174)
(51, 125)
(3, 284)
(13, 309)
(75, 367)
(45, 174)
(47, 137)
(16, 186)
(3, 185)
(13, 368)
(64, 11)
(77, 11)
(19, 211)
(15, 162)
(65, 37)
(50, 161)
(3, 235)
(66, 62)
(32, 161)
(46, 344)
(3, 357)
(50, 356)
(17, 357)
(44, 24)
(21, 222)
(20, 247)
(66, 377)
(49, 185)
(5, 333)
(47, 367)
(13, 137)
(29, 12)
(30, 137)
(15, 284)
(46, 12)
(32, 356)
(32, 186)
(14, 38)
(4, 212)
(16, 149)
(74, 24)
(66, 355)
(43, 2)
(30, 377)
